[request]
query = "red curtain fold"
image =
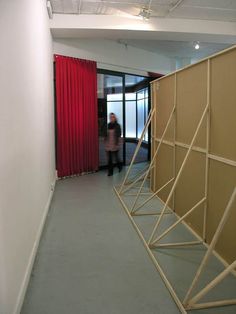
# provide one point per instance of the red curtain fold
(76, 116)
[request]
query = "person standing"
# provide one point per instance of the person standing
(112, 143)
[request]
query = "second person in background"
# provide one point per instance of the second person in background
(113, 143)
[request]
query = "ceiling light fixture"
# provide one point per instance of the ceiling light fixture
(145, 13)
(196, 45)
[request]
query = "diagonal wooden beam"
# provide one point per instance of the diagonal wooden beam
(178, 175)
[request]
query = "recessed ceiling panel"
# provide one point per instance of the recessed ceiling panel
(220, 4)
(204, 13)
(221, 10)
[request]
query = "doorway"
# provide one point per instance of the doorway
(128, 97)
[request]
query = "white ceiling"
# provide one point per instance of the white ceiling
(175, 49)
(171, 31)
(219, 10)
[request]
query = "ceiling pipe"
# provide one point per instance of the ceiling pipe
(49, 9)
(178, 3)
(80, 5)
(149, 5)
(145, 11)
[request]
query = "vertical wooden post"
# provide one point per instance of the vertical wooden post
(154, 122)
(174, 138)
(207, 149)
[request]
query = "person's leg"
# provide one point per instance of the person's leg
(110, 164)
(118, 162)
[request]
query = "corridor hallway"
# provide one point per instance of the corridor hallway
(91, 261)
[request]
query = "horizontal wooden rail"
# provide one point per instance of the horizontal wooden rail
(200, 150)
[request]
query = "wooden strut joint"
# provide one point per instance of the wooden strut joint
(178, 175)
(153, 159)
(137, 175)
(155, 262)
(152, 196)
(211, 247)
(178, 221)
(151, 113)
(133, 183)
(212, 284)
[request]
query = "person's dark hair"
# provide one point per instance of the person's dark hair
(113, 114)
(114, 126)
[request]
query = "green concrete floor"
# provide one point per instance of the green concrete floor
(90, 259)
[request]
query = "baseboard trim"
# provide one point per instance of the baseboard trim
(29, 267)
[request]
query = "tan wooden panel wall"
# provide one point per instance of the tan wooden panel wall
(223, 105)
(190, 189)
(191, 99)
(222, 178)
(165, 97)
(164, 171)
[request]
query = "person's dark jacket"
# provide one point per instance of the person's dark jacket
(117, 128)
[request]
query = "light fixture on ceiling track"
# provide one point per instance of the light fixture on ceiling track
(197, 45)
(145, 13)
(49, 9)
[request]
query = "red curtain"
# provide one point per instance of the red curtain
(76, 116)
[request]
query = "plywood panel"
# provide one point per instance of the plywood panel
(190, 188)
(165, 103)
(153, 131)
(223, 105)
(222, 179)
(191, 101)
(164, 170)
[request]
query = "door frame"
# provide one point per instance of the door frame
(122, 75)
(144, 84)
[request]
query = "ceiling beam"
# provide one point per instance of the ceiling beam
(117, 27)
(176, 5)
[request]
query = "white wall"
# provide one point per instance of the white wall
(182, 62)
(113, 55)
(26, 141)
